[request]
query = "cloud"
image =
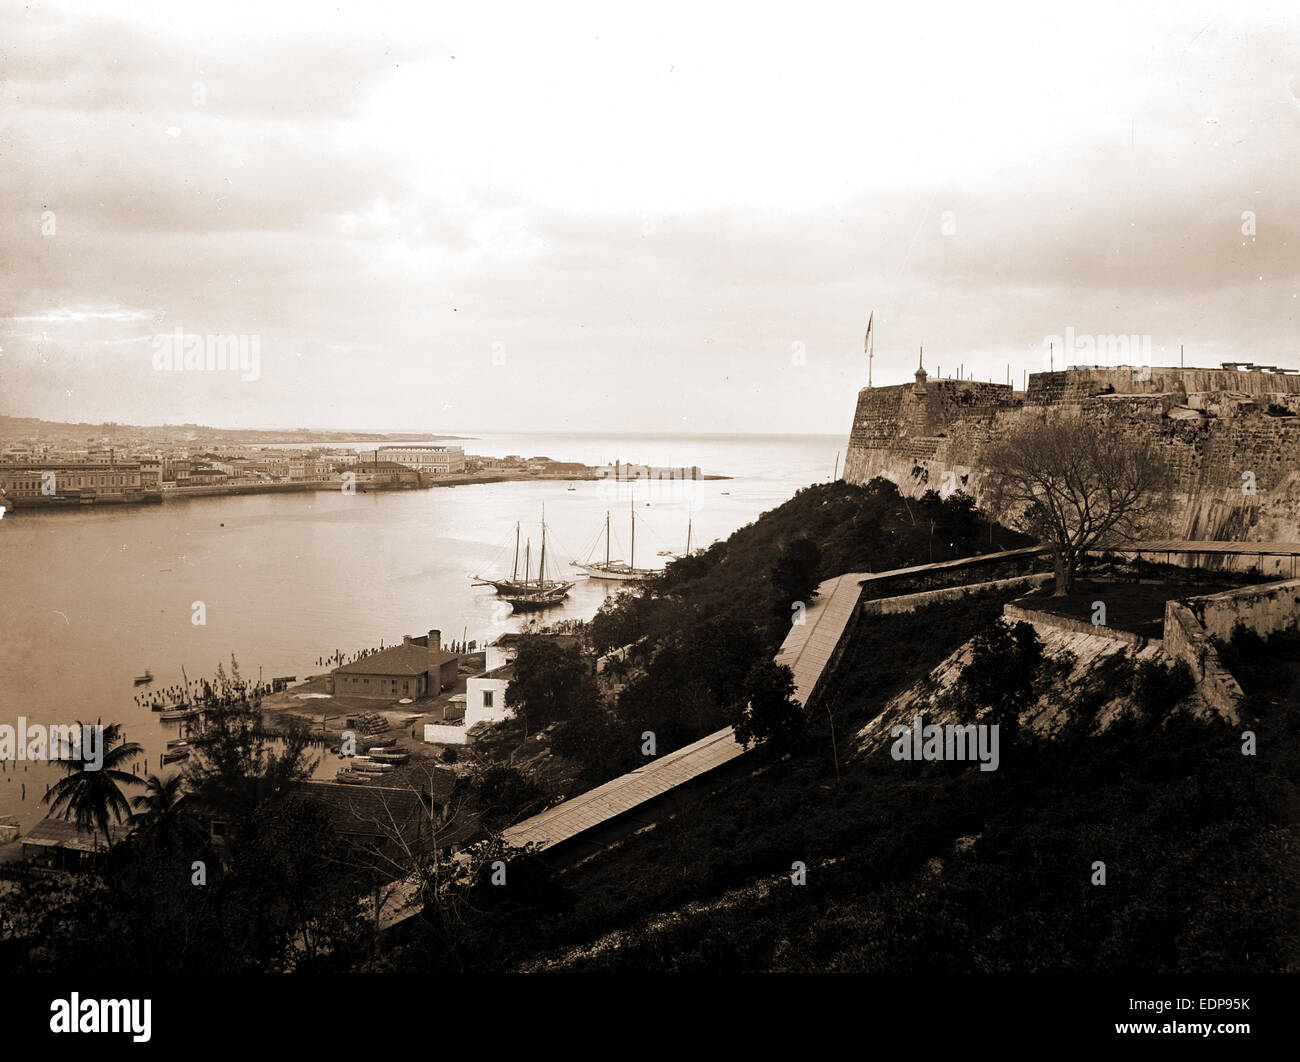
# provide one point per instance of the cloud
(649, 219)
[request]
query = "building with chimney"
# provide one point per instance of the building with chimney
(419, 667)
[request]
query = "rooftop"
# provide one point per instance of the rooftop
(408, 659)
(62, 833)
(376, 811)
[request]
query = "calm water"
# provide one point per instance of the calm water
(91, 598)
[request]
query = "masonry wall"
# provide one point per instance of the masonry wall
(1235, 468)
(1262, 609)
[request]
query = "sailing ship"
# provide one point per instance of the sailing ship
(515, 585)
(613, 569)
(534, 594)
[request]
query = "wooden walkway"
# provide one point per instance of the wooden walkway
(811, 647)
(1210, 548)
(952, 565)
(808, 650)
(619, 796)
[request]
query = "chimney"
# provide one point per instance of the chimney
(435, 640)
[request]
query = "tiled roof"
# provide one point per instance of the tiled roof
(62, 833)
(1213, 546)
(398, 660)
(375, 811)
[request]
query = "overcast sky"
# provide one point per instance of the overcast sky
(605, 217)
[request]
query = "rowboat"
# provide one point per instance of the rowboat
(351, 778)
(186, 713)
(178, 743)
(394, 756)
(145, 679)
(172, 755)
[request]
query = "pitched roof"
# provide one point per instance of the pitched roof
(375, 811)
(63, 833)
(410, 659)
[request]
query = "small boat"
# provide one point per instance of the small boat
(171, 717)
(178, 743)
(172, 755)
(570, 488)
(351, 778)
(175, 706)
(393, 756)
(372, 767)
(145, 679)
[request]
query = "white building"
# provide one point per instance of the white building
(485, 697)
(438, 459)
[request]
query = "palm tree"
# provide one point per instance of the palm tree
(91, 797)
(158, 811)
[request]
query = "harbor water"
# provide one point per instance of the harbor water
(90, 599)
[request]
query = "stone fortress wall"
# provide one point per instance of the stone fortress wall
(1219, 429)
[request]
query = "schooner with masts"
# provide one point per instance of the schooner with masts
(613, 569)
(529, 593)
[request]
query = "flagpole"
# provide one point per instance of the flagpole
(870, 345)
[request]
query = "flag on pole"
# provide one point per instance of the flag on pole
(866, 343)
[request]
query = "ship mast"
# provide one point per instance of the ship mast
(541, 568)
(631, 561)
(514, 572)
(606, 538)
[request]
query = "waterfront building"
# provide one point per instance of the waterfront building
(437, 459)
(62, 844)
(35, 483)
(386, 474)
(419, 667)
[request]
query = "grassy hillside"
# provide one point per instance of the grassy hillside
(940, 867)
(867, 528)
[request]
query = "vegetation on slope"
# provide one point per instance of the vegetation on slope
(939, 867)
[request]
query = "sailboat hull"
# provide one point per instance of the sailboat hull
(620, 574)
(518, 586)
(531, 602)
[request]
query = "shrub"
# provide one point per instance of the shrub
(1158, 687)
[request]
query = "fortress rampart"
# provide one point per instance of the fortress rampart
(1219, 428)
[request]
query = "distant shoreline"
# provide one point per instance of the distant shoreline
(220, 490)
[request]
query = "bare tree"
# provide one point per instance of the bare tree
(1077, 482)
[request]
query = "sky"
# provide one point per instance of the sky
(594, 217)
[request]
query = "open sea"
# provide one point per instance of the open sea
(92, 597)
